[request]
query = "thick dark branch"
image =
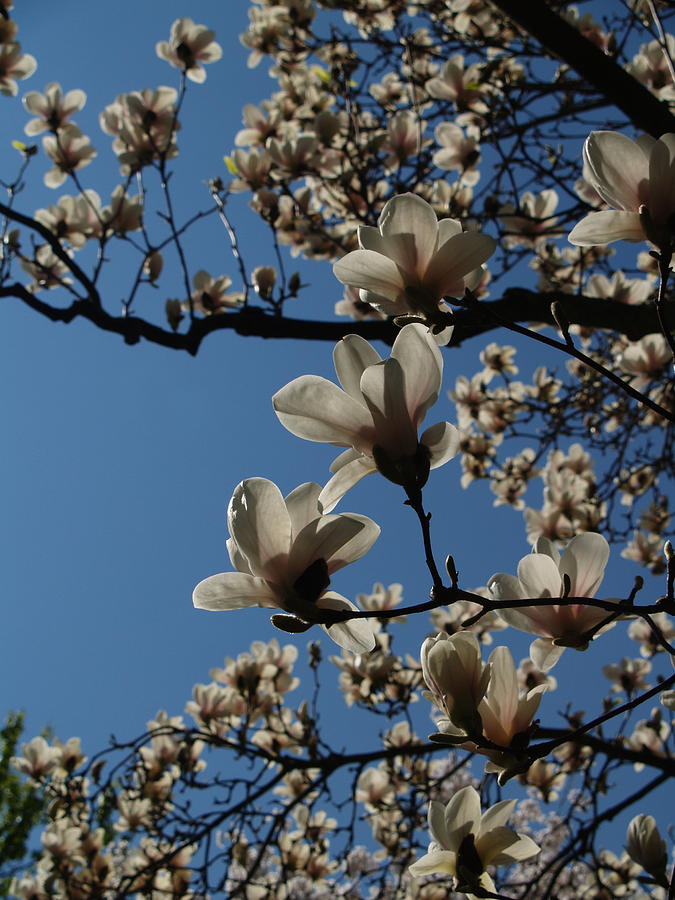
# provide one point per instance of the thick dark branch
(517, 305)
(598, 69)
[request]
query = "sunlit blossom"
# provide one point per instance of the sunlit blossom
(637, 180)
(376, 413)
(284, 552)
(188, 47)
(545, 573)
(464, 842)
(411, 261)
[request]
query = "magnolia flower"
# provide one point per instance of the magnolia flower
(544, 573)
(464, 842)
(635, 178)
(457, 679)
(284, 551)
(52, 108)
(13, 65)
(189, 46)
(411, 261)
(507, 716)
(376, 415)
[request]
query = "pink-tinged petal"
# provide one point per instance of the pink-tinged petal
(232, 590)
(370, 271)
(303, 506)
(539, 576)
(422, 365)
(457, 257)
(502, 695)
(382, 387)
(462, 816)
(619, 169)
(442, 441)
(545, 654)
(351, 356)
(441, 861)
(606, 226)
(355, 635)
(259, 523)
(584, 560)
(314, 408)
(337, 539)
(345, 478)
(409, 217)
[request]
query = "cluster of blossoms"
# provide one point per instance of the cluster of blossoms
(321, 168)
(13, 63)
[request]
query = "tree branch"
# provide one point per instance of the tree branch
(599, 70)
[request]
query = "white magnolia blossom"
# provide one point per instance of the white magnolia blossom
(464, 842)
(543, 573)
(189, 46)
(411, 261)
(635, 178)
(377, 412)
(284, 552)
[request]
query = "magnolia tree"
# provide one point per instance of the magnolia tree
(429, 150)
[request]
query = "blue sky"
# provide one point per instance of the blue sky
(118, 462)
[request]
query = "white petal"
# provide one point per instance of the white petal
(545, 654)
(457, 257)
(498, 815)
(371, 271)
(351, 356)
(345, 478)
(412, 218)
(606, 226)
(422, 365)
(462, 816)
(383, 389)
(338, 539)
(355, 635)
(437, 861)
(442, 441)
(232, 590)
(617, 166)
(303, 506)
(259, 523)
(539, 576)
(314, 408)
(584, 560)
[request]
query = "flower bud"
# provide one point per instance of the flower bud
(645, 845)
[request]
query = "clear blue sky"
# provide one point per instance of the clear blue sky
(118, 462)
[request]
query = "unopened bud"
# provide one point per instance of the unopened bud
(174, 313)
(294, 284)
(289, 624)
(668, 551)
(561, 321)
(264, 278)
(153, 265)
(645, 845)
